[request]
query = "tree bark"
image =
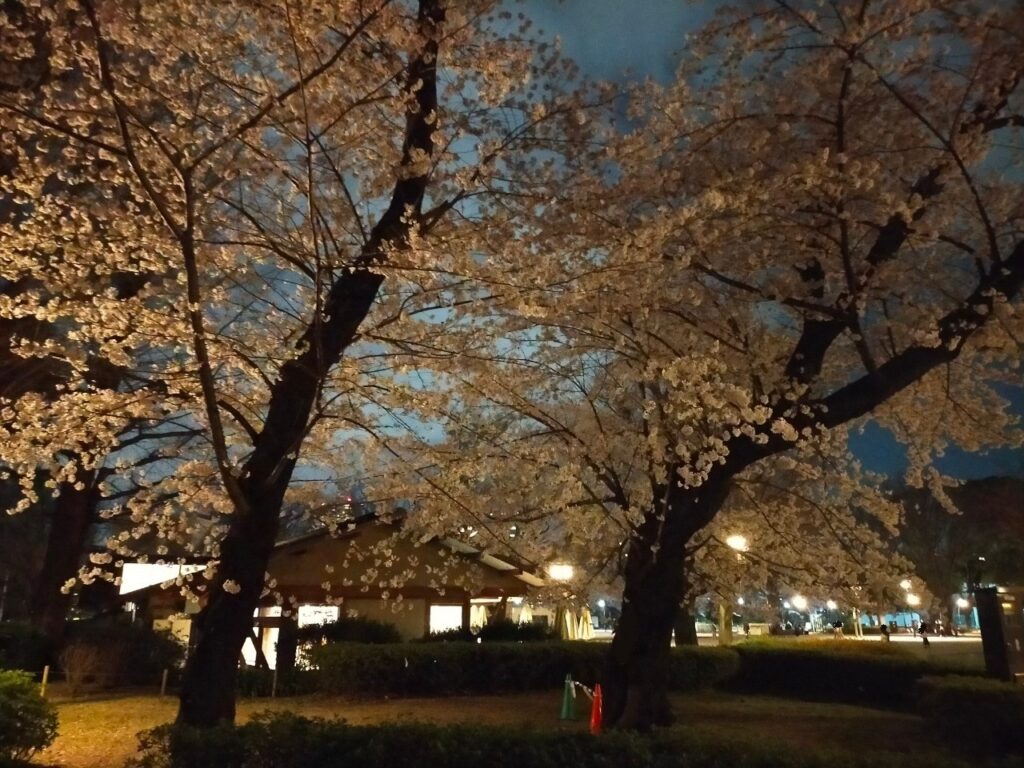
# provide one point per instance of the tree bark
(724, 622)
(636, 675)
(685, 630)
(73, 514)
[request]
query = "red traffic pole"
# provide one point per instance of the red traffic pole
(595, 711)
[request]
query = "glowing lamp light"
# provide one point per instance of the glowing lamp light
(913, 599)
(737, 542)
(561, 571)
(831, 605)
(786, 604)
(799, 602)
(963, 602)
(601, 604)
(905, 585)
(740, 601)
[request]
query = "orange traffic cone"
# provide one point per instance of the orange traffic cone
(595, 711)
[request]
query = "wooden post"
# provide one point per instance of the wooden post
(273, 684)
(163, 684)
(46, 679)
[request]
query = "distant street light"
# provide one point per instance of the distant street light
(738, 542)
(831, 605)
(905, 585)
(740, 601)
(799, 602)
(913, 600)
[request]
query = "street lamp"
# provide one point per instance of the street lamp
(799, 602)
(913, 600)
(905, 585)
(831, 605)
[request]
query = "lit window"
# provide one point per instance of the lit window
(445, 617)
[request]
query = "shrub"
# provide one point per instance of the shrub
(354, 629)
(256, 683)
(22, 646)
(288, 741)
(108, 653)
(454, 635)
(508, 631)
(27, 721)
(984, 714)
(845, 671)
(434, 669)
(693, 668)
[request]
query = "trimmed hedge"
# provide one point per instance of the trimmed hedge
(436, 669)
(256, 683)
(874, 674)
(284, 740)
(983, 714)
(350, 629)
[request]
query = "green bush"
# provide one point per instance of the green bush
(876, 674)
(437, 669)
(501, 631)
(507, 631)
(355, 629)
(982, 714)
(27, 721)
(288, 741)
(256, 683)
(22, 646)
(454, 635)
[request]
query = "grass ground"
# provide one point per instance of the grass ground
(100, 732)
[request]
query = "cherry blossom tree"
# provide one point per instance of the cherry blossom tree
(307, 176)
(816, 224)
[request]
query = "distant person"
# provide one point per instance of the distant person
(884, 629)
(923, 631)
(746, 630)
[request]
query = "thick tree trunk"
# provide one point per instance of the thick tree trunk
(685, 630)
(226, 620)
(636, 676)
(724, 622)
(73, 514)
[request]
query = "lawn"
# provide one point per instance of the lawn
(100, 732)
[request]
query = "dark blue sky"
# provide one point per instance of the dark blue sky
(623, 39)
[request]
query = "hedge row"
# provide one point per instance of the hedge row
(873, 674)
(289, 741)
(454, 668)
(984, 715)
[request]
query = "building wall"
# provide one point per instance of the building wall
(409, 617)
